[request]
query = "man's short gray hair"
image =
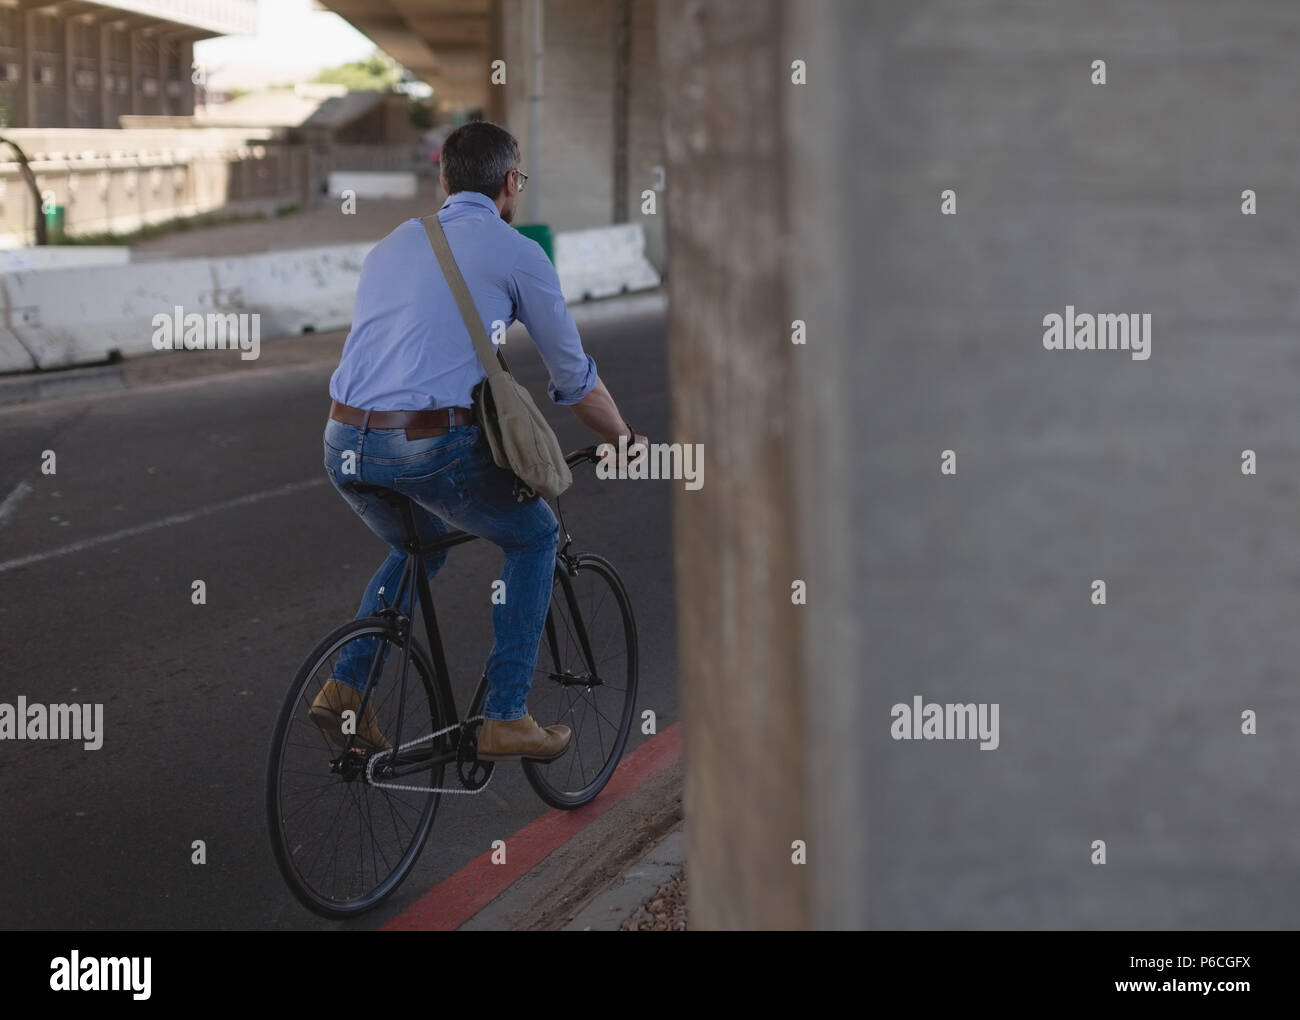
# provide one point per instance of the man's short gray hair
(477, 156)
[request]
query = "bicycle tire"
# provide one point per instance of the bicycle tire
(553, 781)
(286, 845)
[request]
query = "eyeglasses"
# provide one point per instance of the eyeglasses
(523, 178)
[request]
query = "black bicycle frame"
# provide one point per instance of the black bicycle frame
(416, 582)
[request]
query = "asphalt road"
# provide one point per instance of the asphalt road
(220, 478)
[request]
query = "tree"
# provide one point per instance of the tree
(377, 73)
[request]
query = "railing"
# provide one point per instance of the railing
(103, 192)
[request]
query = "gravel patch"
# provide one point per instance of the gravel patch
(664, 911)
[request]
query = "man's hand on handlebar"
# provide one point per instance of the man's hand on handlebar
(635, 447)
(630, 449)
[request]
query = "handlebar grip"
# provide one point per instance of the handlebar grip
(586, 453)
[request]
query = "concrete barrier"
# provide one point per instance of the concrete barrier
(14, 357)
(80, 316)
(62, 256)
(56, 317)
(603, 261)
(296, 291)
(373, 183)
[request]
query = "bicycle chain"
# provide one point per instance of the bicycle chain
(370, 765)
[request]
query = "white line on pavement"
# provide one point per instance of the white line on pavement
(13, 499)
(165, 522)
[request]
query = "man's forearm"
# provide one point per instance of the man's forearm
(599, 413)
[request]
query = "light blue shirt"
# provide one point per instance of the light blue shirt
(409, 350)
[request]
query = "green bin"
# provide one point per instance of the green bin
(541, 233)
(54, 220)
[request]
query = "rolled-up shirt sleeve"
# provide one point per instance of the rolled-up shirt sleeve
(539, 305)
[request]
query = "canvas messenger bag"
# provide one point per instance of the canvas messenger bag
(520, 438)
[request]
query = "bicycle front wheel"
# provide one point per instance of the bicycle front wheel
(342, 843)
(586, 678)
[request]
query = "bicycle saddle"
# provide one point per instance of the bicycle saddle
(390, 496)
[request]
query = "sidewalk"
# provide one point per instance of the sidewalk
(321, 224)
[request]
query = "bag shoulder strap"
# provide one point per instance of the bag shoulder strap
(442, 250)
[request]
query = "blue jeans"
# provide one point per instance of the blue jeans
(452, 480)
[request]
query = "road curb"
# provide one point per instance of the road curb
(607, 855)
(652, 302)
(33, 386)
(556, 864)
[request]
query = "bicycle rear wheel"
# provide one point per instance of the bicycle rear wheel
(343, 844)
(586, 678)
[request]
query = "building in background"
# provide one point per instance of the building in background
(447, 43)
(85, 65)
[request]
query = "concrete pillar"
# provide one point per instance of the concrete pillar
(534, 41)
(824, 148)
(133, 55)
(731, 366)
(644, 139)
(184, 106)
(29, 65)
(101, 74)
(590, 129)
(163, 104)
(570, 153)
(23, 86)
(69, 49)
(495, 108)
(622, 54)
(822, 202)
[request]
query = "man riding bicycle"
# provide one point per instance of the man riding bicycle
(401, 419)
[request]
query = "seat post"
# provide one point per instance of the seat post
(408, 521)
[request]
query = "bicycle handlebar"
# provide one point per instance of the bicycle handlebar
(586, 453)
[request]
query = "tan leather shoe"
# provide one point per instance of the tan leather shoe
(327, 712)
(521, 738)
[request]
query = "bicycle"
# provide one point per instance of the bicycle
(399, 788)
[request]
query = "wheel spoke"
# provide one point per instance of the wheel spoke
(343, 844)
(595, 596)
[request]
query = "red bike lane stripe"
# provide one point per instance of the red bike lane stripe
(456, 899)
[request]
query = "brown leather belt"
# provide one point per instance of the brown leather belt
(418, 424)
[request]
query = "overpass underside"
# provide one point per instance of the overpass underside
(446, 43)
(576, 81)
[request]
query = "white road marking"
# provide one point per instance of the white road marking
(165, 522)
(13, 499)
